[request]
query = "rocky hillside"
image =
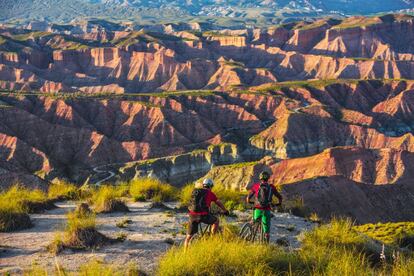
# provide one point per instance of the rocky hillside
(246, 10)
(97, 102)
(284, 121)
(98, 57)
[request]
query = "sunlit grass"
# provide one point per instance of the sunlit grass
(331, 249)
(233, 200)
(107, 198)
(220, 256)
(94, 267)
(389, 233)
(152, 189)
(63, 190)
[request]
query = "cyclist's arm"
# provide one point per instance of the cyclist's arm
(249, 197)
(278, 195)
(221, 205)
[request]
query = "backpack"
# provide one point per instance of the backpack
(198, 202)
(264, 196)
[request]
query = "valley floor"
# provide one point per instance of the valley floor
(145, 242)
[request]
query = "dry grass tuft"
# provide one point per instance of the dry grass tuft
(80, 233)
(106, 199)
(151, 189)
(62, 190)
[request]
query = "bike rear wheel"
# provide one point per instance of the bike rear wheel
(202, 232)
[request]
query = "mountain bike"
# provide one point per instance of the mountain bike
(253, 230)
(204, 229)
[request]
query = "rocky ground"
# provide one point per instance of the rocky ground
(149, 235)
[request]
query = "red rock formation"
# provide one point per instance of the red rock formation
(100, 61)
(379, 167)
(340, 197)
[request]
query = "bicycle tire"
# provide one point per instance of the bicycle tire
(262, 235)
(204, 231)
(256, 226)
(246, 232)
(194, 238)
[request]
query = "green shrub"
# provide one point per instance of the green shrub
(79, 220)
(233, 200)
(19, 199)
(337, 240)
(151, 189)
(107, 199)
(331, 249)
(16, 203)
(80, 233)
(185, 195)
(226, 195)
(63, 190)
(388, 233)
(232, 205)
(338, 233)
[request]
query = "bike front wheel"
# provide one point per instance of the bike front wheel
(246, 232)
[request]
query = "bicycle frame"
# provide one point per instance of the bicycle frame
(256, 231)
(202, 231)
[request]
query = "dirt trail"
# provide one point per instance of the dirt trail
(99, 182)
(145, 243)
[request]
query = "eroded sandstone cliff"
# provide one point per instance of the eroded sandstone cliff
(111, 60)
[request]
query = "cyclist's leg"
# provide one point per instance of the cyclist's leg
(266, 219)
(211, 220)
(257, 217)
(257, 214)
(192, 228)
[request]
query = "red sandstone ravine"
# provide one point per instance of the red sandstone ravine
(72, 136)
(139, 61)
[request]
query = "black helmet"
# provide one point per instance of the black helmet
(264, 176)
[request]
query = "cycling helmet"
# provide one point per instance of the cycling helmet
(264, 176)
(208, 183)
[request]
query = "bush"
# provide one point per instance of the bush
(107, 199)
(151, 189)
(185, 195)
(13, 221)
(79, 220)
(233, 200)
(337, 246)
(22, 199)
(388, 233)
(16, 203)
(62, 190)
(340, 233)
(80, 233)
(332, 249)
(226, 195)
(219, 256)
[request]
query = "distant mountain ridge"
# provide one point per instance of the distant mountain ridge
(256, 11)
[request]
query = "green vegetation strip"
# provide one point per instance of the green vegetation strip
(195, 93)
(321, 83)
(389, 233)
